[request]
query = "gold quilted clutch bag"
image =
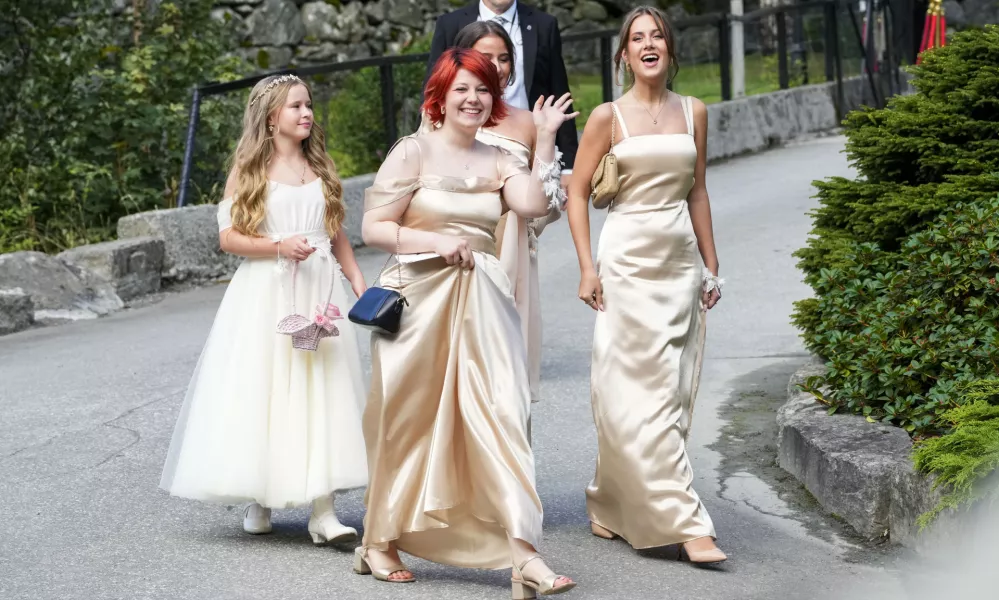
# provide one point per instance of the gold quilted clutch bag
(604, 183)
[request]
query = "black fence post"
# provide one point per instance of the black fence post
(840, 101)
(192, 128)
(888, 15)
(829, 27)
(864, 55)
(606, 69)
(388, 104)
(799, 50)
(782, 50)
(725, 47)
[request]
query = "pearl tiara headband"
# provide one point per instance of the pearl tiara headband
(279, 80)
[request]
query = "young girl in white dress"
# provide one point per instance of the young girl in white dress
(265, 422)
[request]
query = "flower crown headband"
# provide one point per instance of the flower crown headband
(279, 80)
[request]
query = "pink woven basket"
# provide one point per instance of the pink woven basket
(305, 333)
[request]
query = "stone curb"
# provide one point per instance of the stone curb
(859, 471)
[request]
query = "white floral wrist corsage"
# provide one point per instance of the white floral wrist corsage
(711, 282)
(550, 175)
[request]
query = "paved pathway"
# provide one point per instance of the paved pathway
(88, 409)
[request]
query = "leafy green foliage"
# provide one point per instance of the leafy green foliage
(904, 258)
(900, 331)
(966, 460)
(94, 110)
(355, 129)
(919, 155)
(904, 262)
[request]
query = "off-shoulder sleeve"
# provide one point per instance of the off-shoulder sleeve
(398, 177)
(509, 165)
(225, 214)
(387, 191)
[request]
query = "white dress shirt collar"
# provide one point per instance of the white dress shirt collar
(485, 13)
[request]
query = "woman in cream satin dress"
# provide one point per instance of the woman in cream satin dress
(517, 237)
(451, 471)
(650, 291)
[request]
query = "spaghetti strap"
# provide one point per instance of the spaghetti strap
(620, 121)
(688, 114)
(405, 154)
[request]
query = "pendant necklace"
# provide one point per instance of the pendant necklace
(302, 178)
(662, 105)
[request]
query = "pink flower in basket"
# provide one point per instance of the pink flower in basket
(326, 320)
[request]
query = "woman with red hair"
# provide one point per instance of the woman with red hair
(451, 469)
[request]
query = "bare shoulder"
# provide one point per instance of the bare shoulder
(403, 160)
(600, 119)
(522, 118)
(697, 105)
(230, 184)
(523, 122)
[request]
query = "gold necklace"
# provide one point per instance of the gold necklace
(302, 178)
(463, 153)
(662, 105)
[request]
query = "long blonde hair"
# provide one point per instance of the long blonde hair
(256, 149)
(662, 22)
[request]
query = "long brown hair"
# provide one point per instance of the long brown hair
(256, 150)
(662, 22)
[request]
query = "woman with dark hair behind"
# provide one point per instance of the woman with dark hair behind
(451, 471)
(517, 237)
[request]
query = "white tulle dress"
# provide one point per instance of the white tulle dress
(264, 422)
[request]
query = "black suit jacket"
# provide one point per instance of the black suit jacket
(544, 69)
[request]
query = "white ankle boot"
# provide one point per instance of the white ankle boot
(256, 519)
(325, 528)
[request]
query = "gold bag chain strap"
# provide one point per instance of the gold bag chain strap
(398, 246)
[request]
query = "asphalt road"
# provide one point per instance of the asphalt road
(88, 409)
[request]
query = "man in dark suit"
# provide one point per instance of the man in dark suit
(538, 65)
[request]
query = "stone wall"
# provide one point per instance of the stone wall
(278, 33)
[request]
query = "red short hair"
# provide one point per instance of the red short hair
(443, 74)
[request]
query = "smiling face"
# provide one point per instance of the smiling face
(647, 52)
(468, 102)
(494, 48)
(294, 118)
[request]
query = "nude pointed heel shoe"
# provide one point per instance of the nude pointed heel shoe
(525, 589)
(362, 567)
(701, 558)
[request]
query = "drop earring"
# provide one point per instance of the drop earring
(270, 128)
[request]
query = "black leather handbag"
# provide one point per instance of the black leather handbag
(380, 309)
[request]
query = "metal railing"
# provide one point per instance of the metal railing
(830, 9)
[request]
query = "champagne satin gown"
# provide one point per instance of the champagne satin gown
(517, 249)
(450, 466)
(647, 346)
